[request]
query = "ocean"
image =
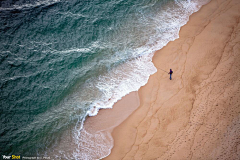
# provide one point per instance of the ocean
(63, 60)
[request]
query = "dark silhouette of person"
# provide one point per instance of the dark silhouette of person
(171, 72)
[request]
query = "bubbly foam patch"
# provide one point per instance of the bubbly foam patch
(121, 81)
(93, 146)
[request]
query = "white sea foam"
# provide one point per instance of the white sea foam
(93, 146)
(121, 81)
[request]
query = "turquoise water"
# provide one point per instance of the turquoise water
(63, 60)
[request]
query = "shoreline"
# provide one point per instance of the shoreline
(171, 114)
(121, 110)
(103, 124)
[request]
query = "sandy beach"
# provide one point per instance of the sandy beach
(196, 115)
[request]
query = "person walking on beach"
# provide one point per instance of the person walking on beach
(171, 72)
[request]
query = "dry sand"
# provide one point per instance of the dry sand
(197, 114)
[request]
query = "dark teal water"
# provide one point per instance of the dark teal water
(63, 60)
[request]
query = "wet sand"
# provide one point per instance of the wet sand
(107, 119)
(197, 114)
(96, 140)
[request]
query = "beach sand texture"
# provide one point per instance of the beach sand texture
(197, 114)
